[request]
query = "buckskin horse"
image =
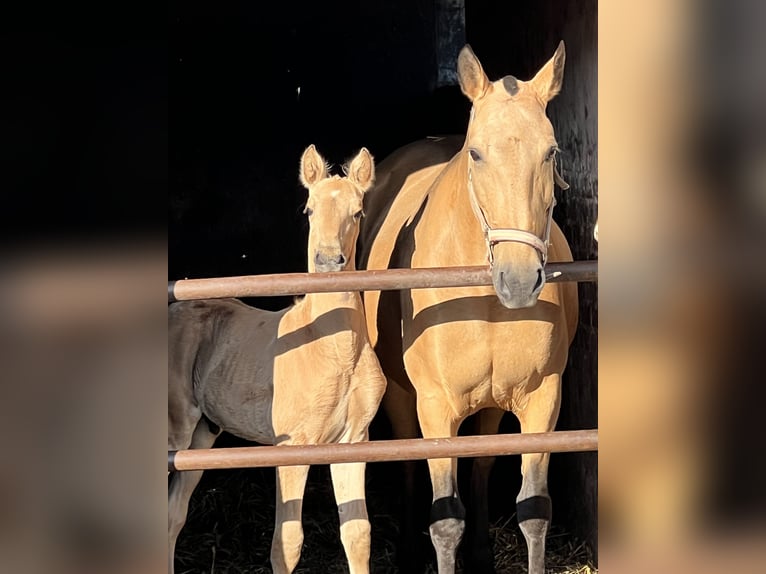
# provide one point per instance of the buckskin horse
(450, 353)
(303, 375)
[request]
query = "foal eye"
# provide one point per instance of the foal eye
(475, 155)
(359, 214)
(308, 211)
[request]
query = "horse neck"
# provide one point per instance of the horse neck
(450, 214)
(317, 304)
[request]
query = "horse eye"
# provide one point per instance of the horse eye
(551, 153)
(359, 214)
(308, 211)
(475, 155)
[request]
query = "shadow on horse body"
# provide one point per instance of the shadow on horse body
(303, 375)
(450, 353)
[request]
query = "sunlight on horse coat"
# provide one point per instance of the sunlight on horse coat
(452, 352)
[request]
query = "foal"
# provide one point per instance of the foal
(303, 375)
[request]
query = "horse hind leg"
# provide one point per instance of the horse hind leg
(288, 527)
(478, 550)
(348, 484)
(183, 485)
(401, 410)
(533, 504)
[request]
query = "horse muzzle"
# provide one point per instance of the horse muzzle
(518, 288)
(328, 262)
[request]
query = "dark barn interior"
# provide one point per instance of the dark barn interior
(252, 87)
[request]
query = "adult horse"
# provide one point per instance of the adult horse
(303, 375)
(450, 353)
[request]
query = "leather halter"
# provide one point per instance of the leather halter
(496, 235)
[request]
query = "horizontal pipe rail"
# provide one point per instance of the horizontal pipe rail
(383, 450)
(375, 280)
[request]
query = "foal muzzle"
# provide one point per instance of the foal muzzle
(326, 263)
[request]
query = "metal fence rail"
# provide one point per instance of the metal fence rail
(383, 450)
(376, 280)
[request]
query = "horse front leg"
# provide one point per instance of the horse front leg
(348, 485)
(533, 504)
(287, 542)
(447, 511)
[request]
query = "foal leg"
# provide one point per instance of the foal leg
(447, 512)
(478, 553)
(182, 487)
(288, 528)
(533, 504)
(348, 484)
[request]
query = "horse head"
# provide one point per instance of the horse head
(510, 152)
(334, 208)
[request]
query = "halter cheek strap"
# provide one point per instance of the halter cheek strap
(509, 234)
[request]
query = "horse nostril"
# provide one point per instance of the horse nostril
(539, 281)
(503, 286)
(341, 259)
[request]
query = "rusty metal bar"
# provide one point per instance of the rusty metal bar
(383, 450)
(376, 280)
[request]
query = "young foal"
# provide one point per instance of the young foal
(303, 375)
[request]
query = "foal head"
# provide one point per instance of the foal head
(334, 208)
(511, 151)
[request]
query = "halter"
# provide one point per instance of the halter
(509, 234)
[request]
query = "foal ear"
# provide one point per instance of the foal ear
(313, 167)
(547, 82)
(362, 170)
(473, 81)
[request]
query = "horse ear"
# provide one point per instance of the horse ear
(313, 167)
(547, 82)
(473, 81)
(362, 170)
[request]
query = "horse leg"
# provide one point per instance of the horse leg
(478, 548)
(447, 511)
(348, 484)
(400, 408)
(182, 487)
(288, 528)
(533, 504)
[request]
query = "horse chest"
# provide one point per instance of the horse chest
(474, 356)
(313, 386)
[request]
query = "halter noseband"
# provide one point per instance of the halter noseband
(509, 234)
